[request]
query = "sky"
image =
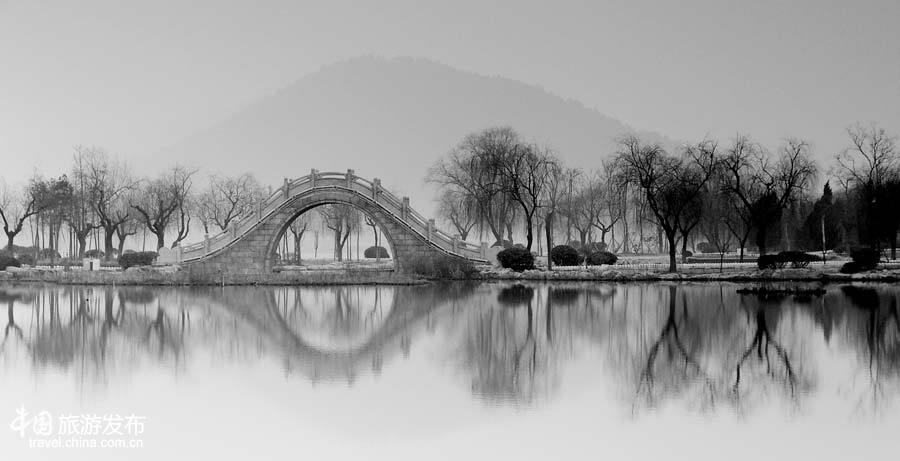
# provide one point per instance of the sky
(135, 77)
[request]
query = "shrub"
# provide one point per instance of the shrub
(599, 258)
(94, 254)
(376, 252)
(797, 259)
(590, 248)
(140, 258)
(705, 247)
(502, 244)
(8, 261)
(770, 261)
(866, 257)
(851, 267)
(49, 253)
(564, 255)
(443, 267)
(687, 254)
(27, 259)
(517, 259)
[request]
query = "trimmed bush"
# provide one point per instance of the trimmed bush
(599, 258)
(8, 261)
(705, 247)
(517, 259)
(866, 257)
(851, 267)
(687, 254)
(564, 255)
(376, 252)
(139, 258)
(502, 244)
(770, 261)
(94, 254)
(797, 259)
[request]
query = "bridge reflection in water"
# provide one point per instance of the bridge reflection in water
(703, 346)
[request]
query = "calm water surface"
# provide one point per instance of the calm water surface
(460, 371)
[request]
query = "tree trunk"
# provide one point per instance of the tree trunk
(670, 236)
(659, 240)
(9, 241)
(548, 226)
(108, 243)
(684, 239)
(121, 245)
(338, 246)
(761, 235)
(82, 243)
(160, 239)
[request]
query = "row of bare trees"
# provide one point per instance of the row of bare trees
(99, 202)
(727, 195)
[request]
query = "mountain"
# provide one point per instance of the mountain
(392, 118)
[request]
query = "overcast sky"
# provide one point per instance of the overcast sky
(137, 76)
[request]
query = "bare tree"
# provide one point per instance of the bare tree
(17, 204)
(525, 170)
(370, 221)
(110, 185)
(870, 170)
(610, 192)
(474, 168)
(228, 199)
(161, 201)
(341, 220)
(716, 221)
(763, 187)
(298, 228)
(127, 228)
(553, 196)
(459, 209)
(82, 216)
(670, 184)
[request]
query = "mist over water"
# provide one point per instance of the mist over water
(457, 369)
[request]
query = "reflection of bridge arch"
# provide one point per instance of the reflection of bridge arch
(412, 308)
(248, 246)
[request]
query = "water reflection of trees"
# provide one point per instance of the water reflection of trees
(874, 332)
(701, 345)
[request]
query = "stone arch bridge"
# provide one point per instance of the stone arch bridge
(248, 246)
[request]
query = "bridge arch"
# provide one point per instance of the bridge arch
(309, 205)
(247, 248)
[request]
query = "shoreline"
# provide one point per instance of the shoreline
(167, 276)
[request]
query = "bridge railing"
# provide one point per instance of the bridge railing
(398, 207)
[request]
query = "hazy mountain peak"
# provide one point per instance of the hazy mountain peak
(392, 118)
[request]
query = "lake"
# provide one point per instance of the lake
(451, 371)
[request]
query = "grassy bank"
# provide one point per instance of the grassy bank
(168, 276)
(619, 274)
